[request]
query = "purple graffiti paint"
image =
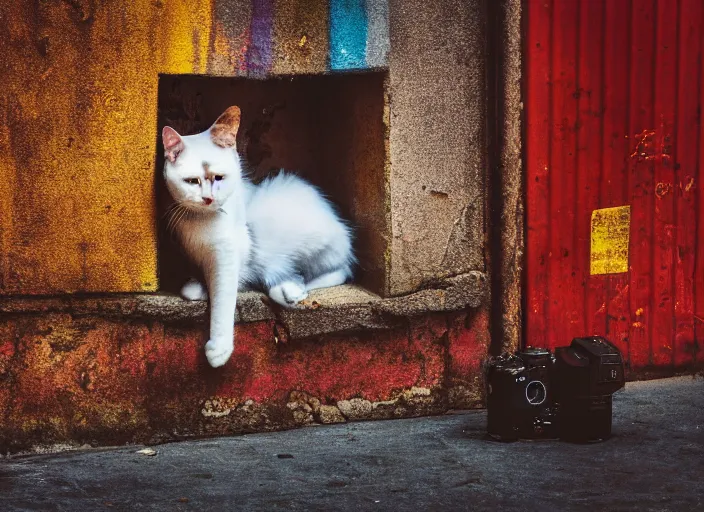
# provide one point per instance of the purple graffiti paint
(259, 55)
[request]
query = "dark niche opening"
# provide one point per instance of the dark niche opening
(330, 129)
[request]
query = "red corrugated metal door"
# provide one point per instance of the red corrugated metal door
(615, 226)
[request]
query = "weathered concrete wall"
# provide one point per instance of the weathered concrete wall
(94, 378)
(511, 227)
(437, 140)
(79, 99)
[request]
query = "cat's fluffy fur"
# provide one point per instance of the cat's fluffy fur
(281, 236)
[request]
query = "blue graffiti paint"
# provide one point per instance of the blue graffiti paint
(348, 34)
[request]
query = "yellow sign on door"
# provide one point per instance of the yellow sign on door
(610, 236)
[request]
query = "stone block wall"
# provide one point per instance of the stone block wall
(84, 89)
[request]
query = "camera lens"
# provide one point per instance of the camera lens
(536, 392)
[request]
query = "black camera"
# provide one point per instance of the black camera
(537, 394)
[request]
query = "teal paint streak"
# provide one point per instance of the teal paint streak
(348, 34)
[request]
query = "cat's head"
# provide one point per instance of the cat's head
(203, 170)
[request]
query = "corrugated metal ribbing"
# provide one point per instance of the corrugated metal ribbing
(613, 99)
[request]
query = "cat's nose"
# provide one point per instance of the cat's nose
(208, 200)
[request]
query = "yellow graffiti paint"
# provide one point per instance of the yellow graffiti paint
(609, 240)
(78, 129)
(185, 32)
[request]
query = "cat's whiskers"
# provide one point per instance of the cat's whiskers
(169, 215)
(183, 214)
(170, 210)
(177, 214)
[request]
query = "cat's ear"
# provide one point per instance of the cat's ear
(173, 143)
(224, 131)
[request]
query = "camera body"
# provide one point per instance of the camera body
(519, 395)
(537, 394)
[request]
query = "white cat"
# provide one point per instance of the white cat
(281, 236)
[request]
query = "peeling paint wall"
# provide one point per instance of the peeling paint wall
(79, 114)
(93, 379)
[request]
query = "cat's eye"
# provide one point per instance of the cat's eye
(192, 181)
(219, 177)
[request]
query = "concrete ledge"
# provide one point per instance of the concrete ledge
(331, 310)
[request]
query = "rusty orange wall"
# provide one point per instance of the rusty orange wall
(78, 113)
(613, 103)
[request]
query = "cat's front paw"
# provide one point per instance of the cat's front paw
(288, 293)
(218, 352)
(194, 290)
